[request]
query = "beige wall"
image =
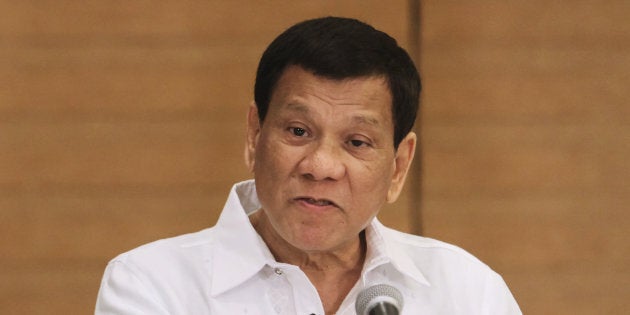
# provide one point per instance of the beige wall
(526, 134)
(122, 122)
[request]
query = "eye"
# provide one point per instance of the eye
(297, 131)
(357, 143)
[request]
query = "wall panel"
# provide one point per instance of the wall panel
(525, 132)
(122, 123)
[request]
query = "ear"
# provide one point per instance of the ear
(253, 133)
(402, 161)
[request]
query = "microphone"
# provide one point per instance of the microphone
(380, 299)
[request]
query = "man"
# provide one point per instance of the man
(329, 142)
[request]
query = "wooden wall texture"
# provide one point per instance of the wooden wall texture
(526, 134)
(123, 122)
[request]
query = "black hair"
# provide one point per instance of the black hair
(341, 48)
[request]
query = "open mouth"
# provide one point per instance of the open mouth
(317, 202)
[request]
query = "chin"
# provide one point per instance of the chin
(311, 244)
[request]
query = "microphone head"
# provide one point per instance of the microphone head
(378, 294)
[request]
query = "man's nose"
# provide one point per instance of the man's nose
(323, 161)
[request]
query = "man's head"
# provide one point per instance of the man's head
(342, 48)
(327, 147)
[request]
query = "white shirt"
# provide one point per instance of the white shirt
(228, 269)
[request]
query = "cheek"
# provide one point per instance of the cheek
(373, 182)
(272, 160)
(375, 174)
(265, 154)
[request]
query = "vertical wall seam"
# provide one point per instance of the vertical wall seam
(414, 20)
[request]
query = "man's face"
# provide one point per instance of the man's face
(324, 159)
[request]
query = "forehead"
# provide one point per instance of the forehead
(300, 90)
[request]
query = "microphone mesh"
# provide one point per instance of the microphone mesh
(379, 290)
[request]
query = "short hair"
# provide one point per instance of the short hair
(341, 48)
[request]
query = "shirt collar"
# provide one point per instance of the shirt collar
(240, 253)
(384, 249)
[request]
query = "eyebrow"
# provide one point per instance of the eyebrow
(362, 119)
(359, 119)
(297, 107)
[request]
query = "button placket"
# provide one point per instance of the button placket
(279, 293)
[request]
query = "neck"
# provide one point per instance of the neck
(333, 272)
(346, 257)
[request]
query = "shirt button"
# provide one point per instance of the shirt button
(278, 271)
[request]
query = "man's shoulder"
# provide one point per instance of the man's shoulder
(160, 272)
(452, 271)
(170, 250)
(427, 251)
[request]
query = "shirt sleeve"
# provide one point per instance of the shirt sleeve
(498, 299)
(122, 292)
